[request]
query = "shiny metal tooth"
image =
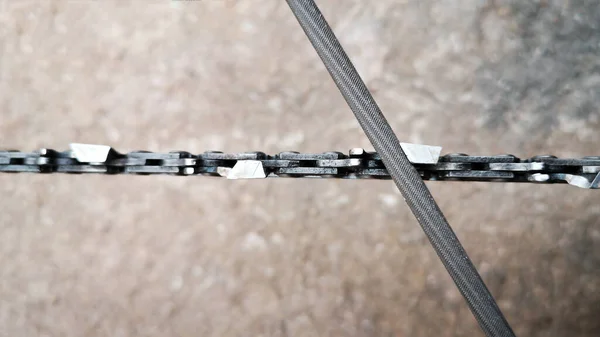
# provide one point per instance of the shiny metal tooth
(90, 153)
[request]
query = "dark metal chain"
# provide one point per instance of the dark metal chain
(583, 172)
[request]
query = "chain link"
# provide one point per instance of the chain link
(358, 164)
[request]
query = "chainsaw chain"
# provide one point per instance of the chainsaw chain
(583, 172)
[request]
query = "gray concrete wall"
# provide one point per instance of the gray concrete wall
(171, 256)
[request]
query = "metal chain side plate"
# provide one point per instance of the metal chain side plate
(358, 164)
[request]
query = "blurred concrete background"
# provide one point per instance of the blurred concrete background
(172, 256)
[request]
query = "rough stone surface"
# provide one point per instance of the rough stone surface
(170, 256)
